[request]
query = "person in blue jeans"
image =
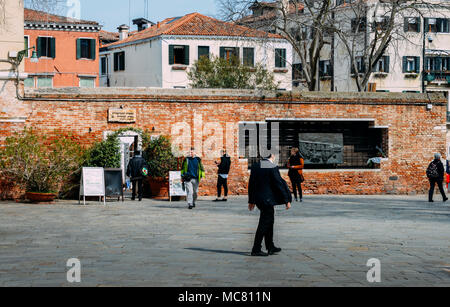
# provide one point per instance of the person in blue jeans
(192, 172)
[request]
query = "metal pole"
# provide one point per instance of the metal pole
(423, 58)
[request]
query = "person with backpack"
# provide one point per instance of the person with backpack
(192, 172)
(435, 173)
(137, 169)
(222, 178)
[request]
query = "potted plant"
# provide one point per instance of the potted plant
(161, 161)
(38, 164)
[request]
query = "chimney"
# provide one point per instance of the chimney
(142, 23)
(123, 32)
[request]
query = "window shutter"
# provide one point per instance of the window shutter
(438, 64)
(222, 52)
(116, 61)
(277, 58)
(386, 64)
(122, 60)
(405, 64)
(427, 28)
(186, 55)
(237, 54)
(78, 48)
(419, 24)
(321, 68)
(363, 65)
(52, 47)
(93, 49)
(283, 59)
(352, 67)
(417, 64)
(405, 24)
(39, 46)
(171, 55)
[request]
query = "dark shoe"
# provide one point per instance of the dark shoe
(260, 254)
(274, 250)
(431, 201)
(132, 198)
(445, 199)
(216, 199)
(224, 199)
(190, 207)
(296, 199)
(301, 200)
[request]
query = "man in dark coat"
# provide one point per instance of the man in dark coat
(267, 189)
(222, 178)
(134, 171)
(435, 173)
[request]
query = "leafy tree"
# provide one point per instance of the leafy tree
(160, 158)
(220, 73)
(105, 153)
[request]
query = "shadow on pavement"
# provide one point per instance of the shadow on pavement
(218, 251)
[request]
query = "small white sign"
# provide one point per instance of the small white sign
(92, 183)
(176, 184)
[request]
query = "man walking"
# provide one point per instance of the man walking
(266, 189)
(224, 169)
(435, 173)
(135, 172)
(192, 172)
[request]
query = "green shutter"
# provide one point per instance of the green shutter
(116, 61)
(222, 52)
(405, 24)
(78, 48)
(386, 64)
(171, 59)
(25, 38)
(39, 46)
(427, 28)
(203, 51)
(419, 24)
(283, 52)
(122, 60)
(87, 82)
(277, 58)
(417, 63)
(405, 64)
(186, 55)
(29, 82)
(52, 47)
(93, 49)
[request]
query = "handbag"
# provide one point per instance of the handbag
(302, 179)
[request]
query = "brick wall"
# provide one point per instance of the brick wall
(414, 132)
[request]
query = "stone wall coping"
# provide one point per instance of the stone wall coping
(227, 95)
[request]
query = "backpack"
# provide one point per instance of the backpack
(432, 171)
(144, 171)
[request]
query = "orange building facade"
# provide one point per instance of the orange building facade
(67, 49)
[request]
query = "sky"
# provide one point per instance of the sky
(112, 13)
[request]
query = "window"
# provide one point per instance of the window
(203, 51)
(86, 48)
(297, 72)
(437, 64)
(104, 65)
(29, 82)
(26, 46)
(229, 53)
(178, 54)
(339, 2)
(382, 65)
(359, 24)
(44, 82)
(46, 47)
(325, 69)
(360, 65)
(437, 25)
(249, 57)
(381, 23)
(412, 24)
(87, 82)
(119, 61)
(280, 58)
(411, 64)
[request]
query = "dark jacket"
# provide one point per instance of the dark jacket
(135, 167)
(298, 163)
(224, 166)
(266, 187)
(440, 168)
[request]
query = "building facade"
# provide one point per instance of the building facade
(67, 49)
(161, 55)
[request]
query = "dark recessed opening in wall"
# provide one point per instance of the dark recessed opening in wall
(324, 144)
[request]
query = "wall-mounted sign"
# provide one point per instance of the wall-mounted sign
(121, 115)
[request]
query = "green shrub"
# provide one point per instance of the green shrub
(105, 153)
(160, 157)
(38, 163)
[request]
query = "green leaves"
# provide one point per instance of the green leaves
(105, 153)
(221, 73)
(159, 157)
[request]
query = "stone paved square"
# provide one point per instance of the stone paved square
(326, 241)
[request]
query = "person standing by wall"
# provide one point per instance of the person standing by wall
(222, 178)
(266, 189)
(192, 172)
(295, 173)
(435, 173)
(134, 171)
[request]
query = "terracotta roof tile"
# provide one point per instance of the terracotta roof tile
(38, 16)
(196, 24)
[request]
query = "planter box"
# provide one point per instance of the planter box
(40, 197)
(159, 187)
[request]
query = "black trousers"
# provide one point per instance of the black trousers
(140, 191)
(222, 182)
(265, 228)
(296, 186)
(441, 188)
